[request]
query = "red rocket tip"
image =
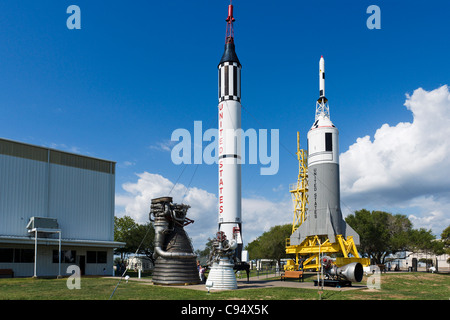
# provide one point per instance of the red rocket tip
(321, 56)
(229, 36)
(230, 13)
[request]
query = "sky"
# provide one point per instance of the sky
(138, 70)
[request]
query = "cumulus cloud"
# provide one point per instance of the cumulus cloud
(136, 198)
(436, 217)
(405, 165)
(259, 215)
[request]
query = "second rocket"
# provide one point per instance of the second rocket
(324, 216)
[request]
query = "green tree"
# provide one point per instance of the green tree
(424, 241)
(445, 237)
(271, 244)
(373, 232)
(382, 233)
(203, 255)
(136, 236)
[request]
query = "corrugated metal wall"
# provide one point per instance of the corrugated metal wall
(23, 193)
(82, 201)
(79, 192)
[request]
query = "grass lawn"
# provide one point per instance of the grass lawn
(394, 286)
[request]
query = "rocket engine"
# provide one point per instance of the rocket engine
(175, 262)
(221, 260)
(352, 272)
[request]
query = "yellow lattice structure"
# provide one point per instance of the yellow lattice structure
(299, 191)
(308, 253)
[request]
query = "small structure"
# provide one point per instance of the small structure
(142, 263)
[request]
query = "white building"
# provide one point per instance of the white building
(418, 261)
(438, 262)
(140, 263)
(67, 200)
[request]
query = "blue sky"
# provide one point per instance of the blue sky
(138, 70)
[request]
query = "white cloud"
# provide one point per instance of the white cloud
(435, 217)
(258, 214)
(406, 165)
(166, 145)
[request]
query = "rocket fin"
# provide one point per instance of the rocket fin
(350, 232)
(313, 226)
(330, 230)
(300, 234)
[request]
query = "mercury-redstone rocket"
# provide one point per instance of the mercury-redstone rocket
(324, 216)
(230, 139)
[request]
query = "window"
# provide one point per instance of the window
(328, 141)
(67, 256)
(96, 256)
(91, 257)
(16, 255)
(101, 257)
(6, 255)
(23, 255)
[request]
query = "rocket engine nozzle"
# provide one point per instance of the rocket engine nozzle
(352, 272)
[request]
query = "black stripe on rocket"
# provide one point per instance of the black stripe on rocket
(229, 81)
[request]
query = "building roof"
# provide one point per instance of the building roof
(44, 154)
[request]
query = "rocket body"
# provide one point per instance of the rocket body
(324, 216)
(229, 125)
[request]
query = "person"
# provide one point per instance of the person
(300, 265)
(201, 273)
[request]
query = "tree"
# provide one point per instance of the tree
(136, 236)
(372, 228)
(271, 244)
(382, 233)
(445, 237)
(204, 254)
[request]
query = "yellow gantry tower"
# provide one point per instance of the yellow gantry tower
(308, 253)
(299, 191)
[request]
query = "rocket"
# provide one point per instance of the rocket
(324, 216)
(229, 140)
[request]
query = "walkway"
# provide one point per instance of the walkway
(265, 281)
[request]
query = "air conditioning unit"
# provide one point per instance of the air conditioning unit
(42, 223)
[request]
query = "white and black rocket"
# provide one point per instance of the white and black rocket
(324, 216)
(229, 126)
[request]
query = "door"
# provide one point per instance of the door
(82, 264)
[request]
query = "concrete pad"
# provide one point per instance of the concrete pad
(266, 282)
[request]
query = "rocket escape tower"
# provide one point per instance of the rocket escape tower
(229, 34)
(318, 228)
(322, 108)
